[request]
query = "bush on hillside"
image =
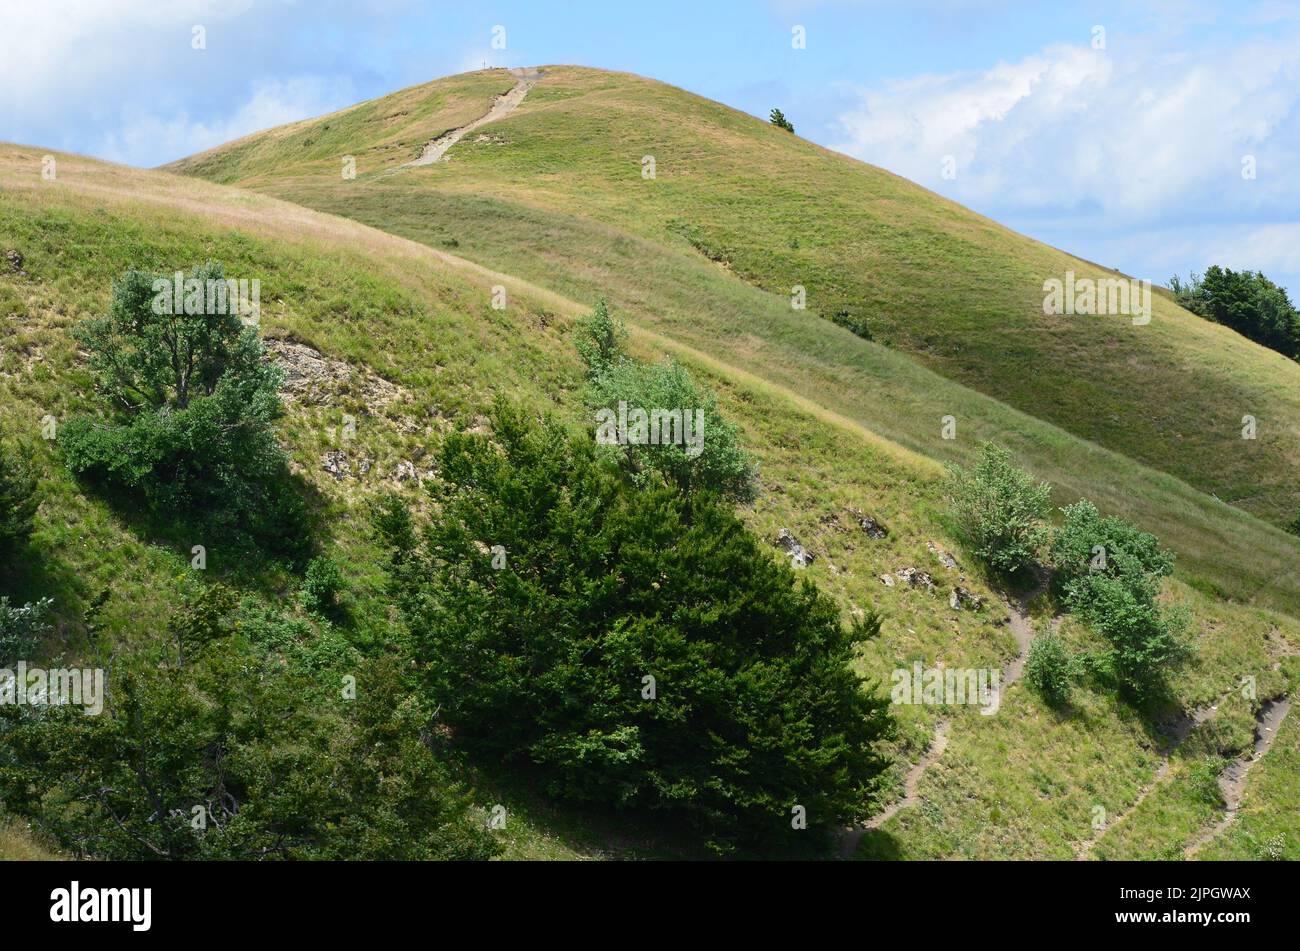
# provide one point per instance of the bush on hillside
(778, 119)
(18, 500)
(1246, 301)
(1087, 543)
(640, 646)
(1000, 511)
(681, 436)
(1051, 669)
(1145, 638)
(600, 338)
(193, 406)
(239, 753)
(1109, 573)
(321, 586)
(698, 450)
(21, 630)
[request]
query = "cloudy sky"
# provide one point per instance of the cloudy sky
(1118, 131)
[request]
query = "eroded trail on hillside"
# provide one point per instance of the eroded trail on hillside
(502, 106)
(1180, 730)
(1022, 626)
(1232, 781)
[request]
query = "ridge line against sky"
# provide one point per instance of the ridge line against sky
(1116, 131)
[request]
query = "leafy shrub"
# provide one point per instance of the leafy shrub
(1109, 573)
(21, 630)
(712, 461)
(238, 753)
(1144, 637)
(1000, 510)
(640, 646)
(18, 501)
(599, 338)
(321, 586)
(778, 119)
(194, 406)
(1087, 543)
(1051, 669)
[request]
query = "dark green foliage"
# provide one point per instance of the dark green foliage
(778, 119)
(755, 708)
(193, 429)
(1246, 301)
(18, 501)
(321, 586)
(146, 356)
(1000, 511)
(1051, 669)
(1109, 574)
(852, 323)
(1087, 543)
(21, 630)
(238, 753)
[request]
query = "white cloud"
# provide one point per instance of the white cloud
(53, 49)
(1132, 131)
(147, 139)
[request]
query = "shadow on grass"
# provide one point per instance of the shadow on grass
(877, 845)
(596, 831)
(254, 549)
(27, 577)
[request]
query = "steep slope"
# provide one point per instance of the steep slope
(958, 292)
(412, 325)
(404, 339)
(553, 192)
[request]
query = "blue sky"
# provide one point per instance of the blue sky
(1130, 154)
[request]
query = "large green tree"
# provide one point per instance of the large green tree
(639, 645)
(192, 406)
(228, 750)
(1246, 301)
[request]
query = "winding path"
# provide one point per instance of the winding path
(1022, 626)
(1232, 781)
(1181, 730)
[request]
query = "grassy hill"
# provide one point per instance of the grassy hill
(358, 298)
(388, 317)
(705, 253)
(958, 292)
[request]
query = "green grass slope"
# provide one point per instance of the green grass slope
(956, 291)
(553, 193)
(416, 347)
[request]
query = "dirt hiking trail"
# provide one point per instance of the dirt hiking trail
(1022, 626)
(502, 106)
(1232, 781)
